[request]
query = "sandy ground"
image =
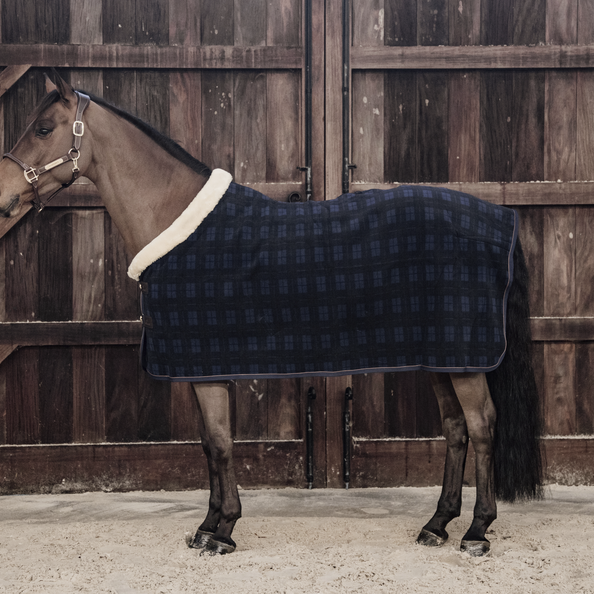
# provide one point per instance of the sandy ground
(291, 541)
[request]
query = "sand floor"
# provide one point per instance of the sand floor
(291, 541)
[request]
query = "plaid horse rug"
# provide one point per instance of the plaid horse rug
(242, 286)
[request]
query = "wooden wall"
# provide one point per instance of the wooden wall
(493, 97)
(69, 329)
(433, 102)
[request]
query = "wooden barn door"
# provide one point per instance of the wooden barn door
(494, 98)
(226, 80)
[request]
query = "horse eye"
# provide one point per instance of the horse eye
(43, 132)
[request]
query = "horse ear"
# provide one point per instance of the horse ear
(49, 85)
(65, 91)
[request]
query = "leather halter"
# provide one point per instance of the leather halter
(32, 174)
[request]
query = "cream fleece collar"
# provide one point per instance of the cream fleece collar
(189, 220)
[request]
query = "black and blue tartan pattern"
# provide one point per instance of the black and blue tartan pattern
(384, 280)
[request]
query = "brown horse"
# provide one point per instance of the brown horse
(146, 181)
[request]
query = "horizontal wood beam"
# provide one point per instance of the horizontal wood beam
(144, 466)
(151, 56)
(419, 462)
(539, 193)
(20, 334)
(472, 57)
(562, 329)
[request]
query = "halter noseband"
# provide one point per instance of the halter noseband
(32, 174)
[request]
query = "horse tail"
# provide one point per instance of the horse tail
(518, 459)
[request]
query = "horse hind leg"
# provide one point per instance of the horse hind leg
(456, 434)
(224, 508)
(475, 399)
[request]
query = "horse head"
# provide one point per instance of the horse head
(47, 157)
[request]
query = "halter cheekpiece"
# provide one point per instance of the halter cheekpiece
(32, 174)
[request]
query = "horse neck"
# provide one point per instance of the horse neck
(143, 187)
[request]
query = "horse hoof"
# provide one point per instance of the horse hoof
(200, 540)
(215, 547)
(429, 539)
(475, 548)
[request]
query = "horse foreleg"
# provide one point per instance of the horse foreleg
(456, 435)
(224, 507)
(475, 399)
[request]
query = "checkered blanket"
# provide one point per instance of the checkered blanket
(383, 280)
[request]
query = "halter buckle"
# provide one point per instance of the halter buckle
(78, 128)
(31, 175)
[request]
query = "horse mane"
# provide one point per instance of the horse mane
(174, 149)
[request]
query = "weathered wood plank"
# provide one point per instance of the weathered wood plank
(22, 272)
(400, 17)
(69, 333)
(559, 262)
(561, 22)
(118, 55)
(251, 409)
(515, 194)
(88, 388)
(152, 98)
(185, 416)
(283, 127)
(218, 22)
(532, 237)
(432, 140)
(88, 270)
(400, 126)
(185, 109)
(464, 126)
(152, 22)
(432, 22)
(217, 119)
(121, 394)
(464, 22)
(368, 409)
(285, 413)
(496, 132)
(527, 115)
(529, 22)
(122, 300)
(86, 21)
(585, 21)
(250, 126)
(250, 22)
(584, 262)
(562, 329)
(559, 406)
(335, 389)
(154, 409)
(368, 22)
(55, 286)
(584, 398)
(129, 467)
(55, 395)
(119, 21)
(471, 57)
(368, 126)
(22, 398)
(560, 126)
(585, 125)
(497, 23)
(284, 23)
(184, 22)
(400, 391)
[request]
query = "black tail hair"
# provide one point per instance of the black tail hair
(518, 458)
